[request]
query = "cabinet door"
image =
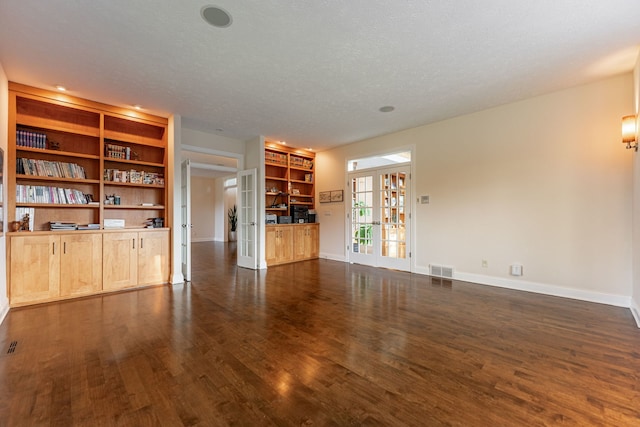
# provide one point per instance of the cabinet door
(285, 244)
(270, 245)
(279, 244)
(81, 264)
(35, 268)
(313, 241)
(300, 243)
(153, 257)
(120, 260)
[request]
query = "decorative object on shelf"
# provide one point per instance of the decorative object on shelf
(233, 223)
(629, 132)
(15, 225)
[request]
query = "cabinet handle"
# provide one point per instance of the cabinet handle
(54, 248)
(141, 243)
(133, 242)
(64, 248)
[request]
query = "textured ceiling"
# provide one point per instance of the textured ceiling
(315, 73)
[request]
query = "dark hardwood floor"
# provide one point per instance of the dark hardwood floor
(318, 343)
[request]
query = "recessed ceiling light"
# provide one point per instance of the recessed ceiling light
(282, 142)
(138, 107)
(61, 88)
(216, 16)
(387, 109)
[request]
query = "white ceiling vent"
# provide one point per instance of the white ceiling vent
(441, 271)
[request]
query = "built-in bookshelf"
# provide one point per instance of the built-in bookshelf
(71, 159)
(289, 179)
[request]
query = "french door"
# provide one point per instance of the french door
(380, 218)
(247, 219)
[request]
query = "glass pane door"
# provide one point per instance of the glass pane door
(393, 219)
(362, 223)
(380, 218)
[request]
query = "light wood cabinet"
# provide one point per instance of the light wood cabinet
(153, 257)
(80, 264)
(120, 260)
(306, 242)
(291, 242)
(34, 268)
(135, 259)
(49, 267)
(279, 244)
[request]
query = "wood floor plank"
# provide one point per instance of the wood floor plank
(319, 343)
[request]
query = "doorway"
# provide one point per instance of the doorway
(380, 215)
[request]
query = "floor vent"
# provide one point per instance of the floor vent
(12, 347)
(441, 271)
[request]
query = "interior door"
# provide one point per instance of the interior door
(380, 218)
(247, 218)
(186, 219)
(393, 219)
(362, 220)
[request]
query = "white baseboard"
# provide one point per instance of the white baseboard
(177, 278)
(538, 288)
(333, 257)
(635, 311)
(546, 289)
(202, 239)
(4, 310)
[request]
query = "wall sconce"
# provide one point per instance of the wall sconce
(629, 132)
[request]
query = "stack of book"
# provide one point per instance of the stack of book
(60, 225)
(88, 226)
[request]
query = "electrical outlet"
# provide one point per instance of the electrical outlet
(485, 263)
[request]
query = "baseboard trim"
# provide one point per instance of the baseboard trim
(177, 278)
(546, 289)
(635, 311)
(333, 257)
(203, 239)
(4, 310)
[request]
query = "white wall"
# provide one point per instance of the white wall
(212, 141)
(203, 212)
(544, 182)
(635, 302)
(4, 126)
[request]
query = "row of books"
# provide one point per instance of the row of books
(277, 158)
(49, 168)
(56, 195)
(133, 176)
(26, 138)
(299, 162)
(114, 151)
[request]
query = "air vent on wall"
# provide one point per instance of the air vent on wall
(441, 271)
